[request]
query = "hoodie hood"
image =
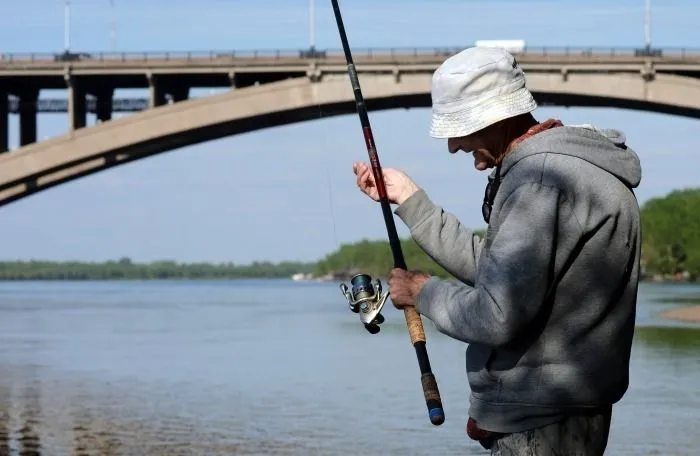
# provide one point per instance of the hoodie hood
(602, 147)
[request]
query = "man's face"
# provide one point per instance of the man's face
(477, 145)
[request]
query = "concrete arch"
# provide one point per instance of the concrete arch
(40, 166)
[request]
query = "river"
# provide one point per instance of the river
(275, 367)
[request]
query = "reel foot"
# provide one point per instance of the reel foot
(372, 328)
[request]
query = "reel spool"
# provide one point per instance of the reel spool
(367, 300)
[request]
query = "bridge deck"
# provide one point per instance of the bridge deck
(90, 79)
(85, 150)
(282, 60)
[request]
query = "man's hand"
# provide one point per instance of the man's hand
(405, 285)
(399, 187)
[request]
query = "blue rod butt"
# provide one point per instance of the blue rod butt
(437, 416)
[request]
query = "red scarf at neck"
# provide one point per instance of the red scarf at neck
(532, 131)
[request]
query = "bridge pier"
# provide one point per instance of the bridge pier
(160, 88)
(156, 94)
(4, 122)
(77, 114)
(103, 103)
(27, 115)
(179, 93)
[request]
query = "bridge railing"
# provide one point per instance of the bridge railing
(365, 53)
(60, 105)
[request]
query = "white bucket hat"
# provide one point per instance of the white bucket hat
(476, 88)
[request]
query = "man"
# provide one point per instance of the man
(546, 301)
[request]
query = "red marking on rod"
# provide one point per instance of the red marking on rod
(374, 160)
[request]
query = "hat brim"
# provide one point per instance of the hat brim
(462, 123)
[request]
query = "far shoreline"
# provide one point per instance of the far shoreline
(688, 314)
(333, 277)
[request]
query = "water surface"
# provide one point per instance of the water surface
(274, 367)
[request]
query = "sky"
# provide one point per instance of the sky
(288, 193)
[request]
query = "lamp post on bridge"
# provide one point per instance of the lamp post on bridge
(647, 24)
(66, 25)
(113, 27)
(647, 49)
(311, 25)
(312, 52)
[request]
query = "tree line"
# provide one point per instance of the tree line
(670, 244)
(671, 235)
(670, 250)
(374, 257)
(125, 268)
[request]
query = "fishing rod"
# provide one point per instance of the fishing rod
(364, 298)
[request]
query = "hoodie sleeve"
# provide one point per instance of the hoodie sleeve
(514, 276)
(441, 236)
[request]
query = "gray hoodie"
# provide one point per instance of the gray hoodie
(547, 300)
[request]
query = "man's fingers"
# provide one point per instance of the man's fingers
(358, 167)
(397, 273)
(365, 178)
(362, 177)
(358, 179)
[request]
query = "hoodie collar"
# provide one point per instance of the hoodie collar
(503, 166)
(602, 147)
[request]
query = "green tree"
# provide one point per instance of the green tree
(374, 257)
(671, 233)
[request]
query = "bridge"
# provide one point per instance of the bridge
(270, 88)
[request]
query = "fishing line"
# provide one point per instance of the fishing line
(328, 177)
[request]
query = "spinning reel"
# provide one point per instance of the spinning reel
(367, 300)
